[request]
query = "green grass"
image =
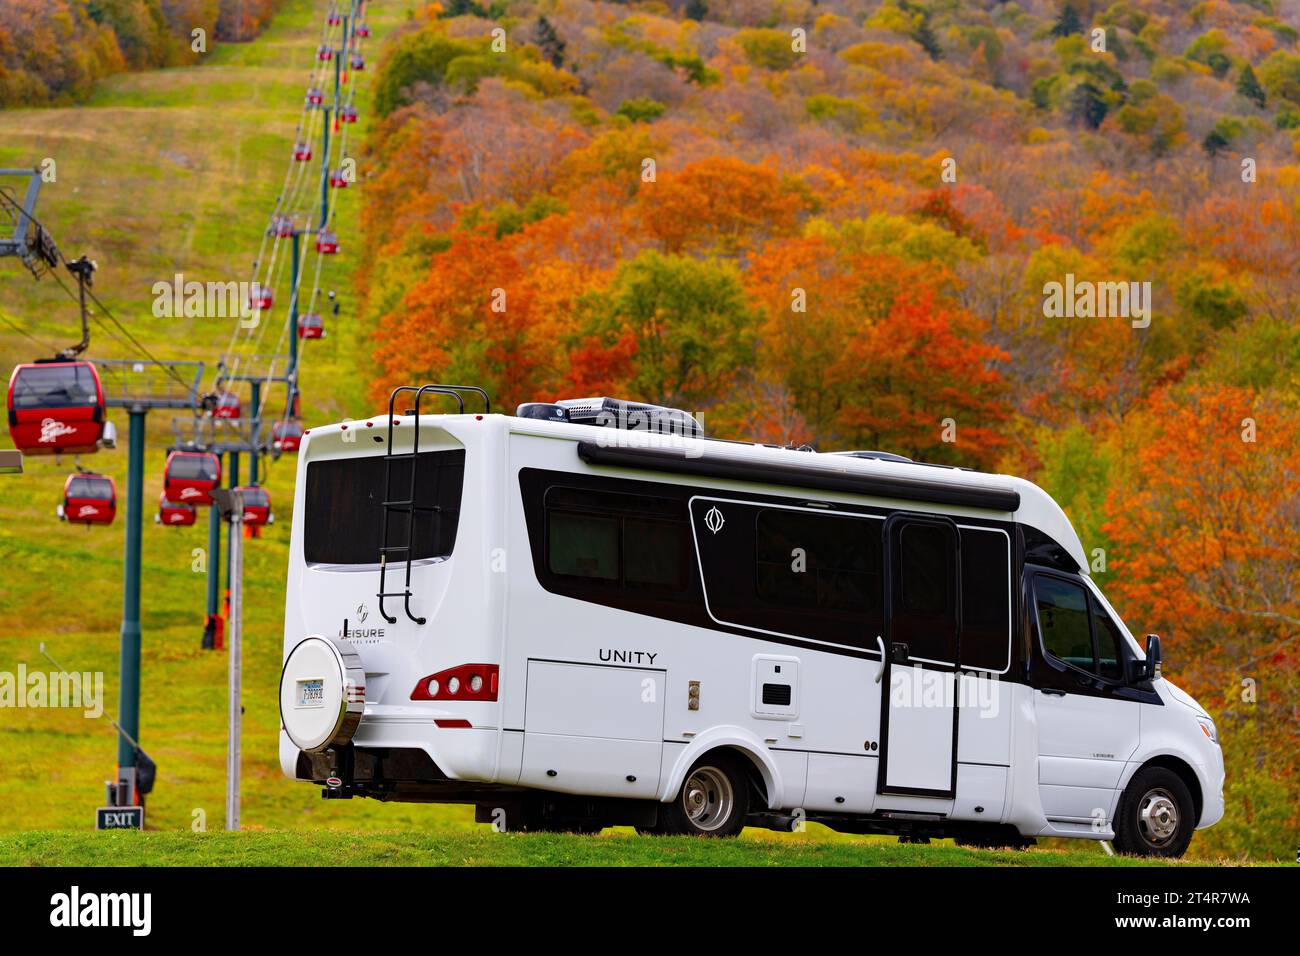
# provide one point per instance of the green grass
(485, 848)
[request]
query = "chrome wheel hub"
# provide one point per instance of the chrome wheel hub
(708, 799)
(1158, 816)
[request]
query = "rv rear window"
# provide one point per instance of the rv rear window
(344, 515)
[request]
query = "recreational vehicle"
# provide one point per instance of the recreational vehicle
(589, 614)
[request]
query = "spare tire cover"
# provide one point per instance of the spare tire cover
(322, 693)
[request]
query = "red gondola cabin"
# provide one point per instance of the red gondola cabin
(56, 407)
(324, 52)
(257, 506)
(337, 179)
(302, 152)
(286, 435)
(314, 96)
(357, 62)
(227, 406)
(348, 114)
(281, 227)
(311, 326)
(190, 476)
(327, 242)
(260, 298)
(176, 513)
(89, 499)
(362, 30)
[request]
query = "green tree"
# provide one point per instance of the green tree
(548, 41)
(1068, 22)
(420, 57)
(693, 328)
(1248, 87)
(1223, 134)
(1088, 104)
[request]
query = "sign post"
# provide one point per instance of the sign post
(231, 503)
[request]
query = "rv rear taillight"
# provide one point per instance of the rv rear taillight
(464, 682)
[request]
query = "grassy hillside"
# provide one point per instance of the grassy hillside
(166, 171)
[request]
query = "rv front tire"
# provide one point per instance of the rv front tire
(1155, 815)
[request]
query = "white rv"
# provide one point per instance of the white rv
(573, 621)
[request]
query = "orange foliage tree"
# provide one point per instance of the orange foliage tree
(1205, 538)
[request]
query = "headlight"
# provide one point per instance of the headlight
(1208, 728)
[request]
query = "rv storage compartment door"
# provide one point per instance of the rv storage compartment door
(592, 729)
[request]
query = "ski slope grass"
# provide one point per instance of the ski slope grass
(484, 848)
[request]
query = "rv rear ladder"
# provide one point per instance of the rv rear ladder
(407, 505)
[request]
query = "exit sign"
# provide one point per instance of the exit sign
(119, 818)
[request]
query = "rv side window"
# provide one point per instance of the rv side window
(584, 546)
(344, 513)
(616, 540)
(1063, 620)
(1076, 629)
(1110, 660)
(791, 571)
(816, 561)
(985, 599)
(924, 615)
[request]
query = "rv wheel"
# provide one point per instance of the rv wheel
(713, 801)
(1155, 815)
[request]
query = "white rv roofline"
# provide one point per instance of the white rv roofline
(1034, 507)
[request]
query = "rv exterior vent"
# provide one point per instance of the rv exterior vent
(778, 694)
(615, 413)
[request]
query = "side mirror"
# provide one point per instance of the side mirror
(1153, 656)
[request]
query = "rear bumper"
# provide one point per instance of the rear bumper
(467, 754)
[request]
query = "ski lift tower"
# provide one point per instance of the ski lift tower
(138, 387)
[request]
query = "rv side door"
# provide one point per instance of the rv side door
(918, 701)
